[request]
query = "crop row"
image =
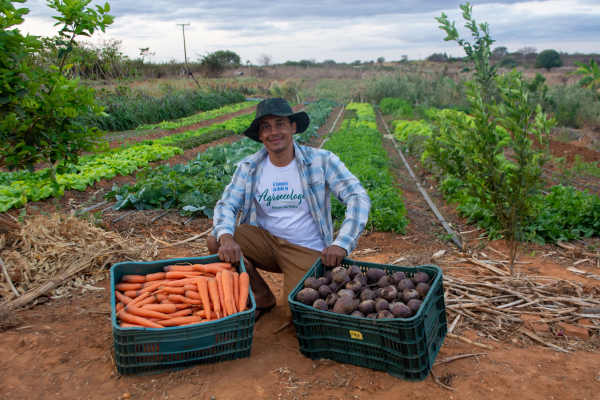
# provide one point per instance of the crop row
(358, 144)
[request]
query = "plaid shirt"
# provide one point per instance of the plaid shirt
(321, 173)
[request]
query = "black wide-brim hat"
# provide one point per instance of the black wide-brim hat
(280, 107)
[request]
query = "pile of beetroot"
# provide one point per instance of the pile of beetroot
(375, 294)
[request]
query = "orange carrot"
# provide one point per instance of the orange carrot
(181, 313)
(202, 313)
(191, 287)
(133, 279)
(161, 297)
(179, 321)
(223, 265)
(151, 288)
(122, 298)
(120, 306)
(134, 319)
(151, 283)
(156, 276)
(244, 291)
(203, 291)
(142, 312)
(149, 300)
(182, 274)
(139, 299)
(210, 268)
(219, 280)
(132, 294)
(128, 286)
(213, 290)
(193, 295)
(181, 282)
(127, 325)
(233, 303)
(186, 268)
(163, 308)
(236, 289)
(174, 290)
(182, 299)
(227, 291)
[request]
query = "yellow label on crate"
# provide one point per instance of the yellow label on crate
(356, 335)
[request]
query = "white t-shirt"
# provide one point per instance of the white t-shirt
(282, 209)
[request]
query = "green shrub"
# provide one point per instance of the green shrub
(397, 107)
(507, 62)
(548, 59)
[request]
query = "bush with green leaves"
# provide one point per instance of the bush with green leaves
(548, 59)
(591, 75)
(399, 108)
(507, 62)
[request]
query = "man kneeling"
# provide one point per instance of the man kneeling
(284, 193)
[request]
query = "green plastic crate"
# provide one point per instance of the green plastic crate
(404, 348)
(145, 351)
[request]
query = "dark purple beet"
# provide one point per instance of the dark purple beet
(333, 286)
(405, 284)
(372, 316)
(331, 300)
(320, 304)
(353, 271)
(390, 293)
(420, 277)
(346, 293)
(381, 304)
(423, 289)
(401, 310)
(323, 281)
(410, 294)
(327, 275)
(324, 291)
(307, 296)
(385, 281)
(367, 294)
(367, 307)
(345, 305)
(357, 314)
(385, 314)
(339, 275)
(355, 286)
(398, 276)
(414, 306)
(374, 275)
(312, 283)
(378, 292)
(361, 278)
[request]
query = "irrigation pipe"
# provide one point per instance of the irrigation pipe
(333, 126)
(93, 207)
(423, 192)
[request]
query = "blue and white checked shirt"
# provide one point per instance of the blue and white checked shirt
(322, 173)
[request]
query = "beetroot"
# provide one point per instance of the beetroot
(367, 307)
(372, 315)
(374, 275)
(423, 289)
(414, 306)
(367, 294)
(307, 296)
(327, 275)
(331, 300)
(323, 281)
(339, 275)
(381, 304)
(401, 310)
(405, 284)
(420, 277)
(385, 281)
(324, 291)
(320, 304)
(345, 305)
(398, 276)
(390, 293)
(361, 278)
(385, 314)
(353, 271)
(355, 286)
(378, 292)
(333, 286)
(357, 314)
(410, 294)
(346, 293)
(312, 283)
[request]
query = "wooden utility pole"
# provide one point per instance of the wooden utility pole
(184, 50)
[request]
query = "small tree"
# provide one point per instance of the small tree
(527, 50)
(548, 59)
(505, 188)
(228, 57)
(265, 60)
(380, 60)
(591, 73)
(500, 52)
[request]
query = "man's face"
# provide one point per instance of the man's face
(276, 132)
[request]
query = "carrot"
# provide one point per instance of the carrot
(174, 290)
(132, 294)
(202, 313)
(127, 325)
(236, 289)
(134, 319)
(149, 300)
(210, 268)
(122, 298)
(193, 295)
(156, 276)
(244, 291)
(181, 313)
(161, 297)
(120, 306)
(133, 279)
(182, 299)
(227, 291)
(181, 282)
(179, 321)
(182, 274)
(128, 286)
(219, 280)
(191, 288)
(151, 283)
(139, 299)
(151, 288)
(223, 265)
(233, 303)
(203, 291)
(142, 312)
(213, 290)
(163, 308)
(186, 268)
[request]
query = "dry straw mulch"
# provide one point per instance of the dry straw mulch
(53, 254)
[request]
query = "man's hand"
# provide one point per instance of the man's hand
(229, 251)
(332, 256)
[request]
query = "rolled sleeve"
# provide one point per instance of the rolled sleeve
(230, 204)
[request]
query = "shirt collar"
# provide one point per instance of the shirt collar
(301, 154)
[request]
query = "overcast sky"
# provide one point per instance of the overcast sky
(333, 29)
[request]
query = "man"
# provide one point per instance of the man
(284, 193)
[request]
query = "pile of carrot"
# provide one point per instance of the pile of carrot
(182, 295)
